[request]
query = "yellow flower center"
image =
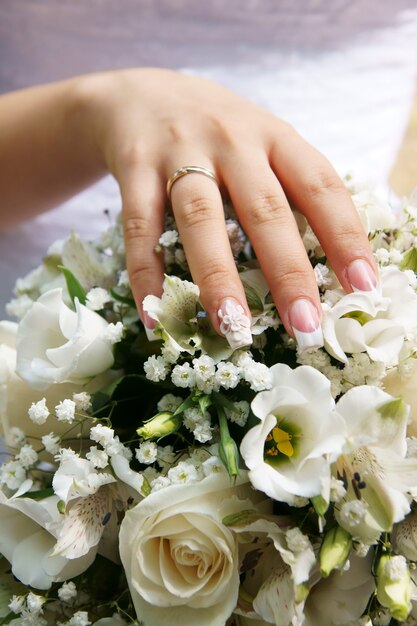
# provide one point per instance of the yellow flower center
(279, 444)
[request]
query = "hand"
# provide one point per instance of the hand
(147, 123)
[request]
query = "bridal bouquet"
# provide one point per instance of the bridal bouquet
(165, 478)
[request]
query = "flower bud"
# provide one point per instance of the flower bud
(393, 587)
(229, 454)
(160, 425)
(334, 550)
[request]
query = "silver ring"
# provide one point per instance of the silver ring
(190, 169)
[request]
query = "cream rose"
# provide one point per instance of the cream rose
(406, 388)
(16, 396)
(181, 562)
(56, 344)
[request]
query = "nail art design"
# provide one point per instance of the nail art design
(305, 323)
(361, 276)
(235, 325)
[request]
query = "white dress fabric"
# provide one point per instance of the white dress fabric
(342, 72)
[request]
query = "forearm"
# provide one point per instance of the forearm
(46, 151)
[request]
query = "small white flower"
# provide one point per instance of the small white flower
(66, 454)
(204, 368)
(240, 415)
(160, 483)
(65, 411)
(321, 273)
(203, 432)
(183, 473)
(35, 603)
(396, 568)
(296, 540)
(227, 375)
(123, 279)
(102, 434)
(183, 376)
(67, 592)
(15, 437)
(29, 619)
(27, 456)
(38, 412)
(337, 489)
(116, 448)
(212, 465)
(258, 376)
(113, 333)
(17, 604)
(97, 457)
(147, 452)
(80, 618)
(170, 352)
(353, 512)
(18, 307)
(165, 456)
(82, 401)
(156, 368)
(169, 238)
(12, 474)
(194, 416)
(97, 298)
(169, 402)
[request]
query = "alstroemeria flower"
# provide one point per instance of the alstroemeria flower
(181, 324)
(55, 344)
(262, 307)
(375, 322)
(341, 598)
(378, 475)
(27, 538)
(289, 452)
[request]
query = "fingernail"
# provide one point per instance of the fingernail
(148, 321)
(361, 276)
(235, 325)
(305, 323)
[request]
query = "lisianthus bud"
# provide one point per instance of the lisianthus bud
(229, 454)
(334, 550)
(393, 588)
(160, 425)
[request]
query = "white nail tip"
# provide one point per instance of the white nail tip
(313, 339)
(235, 324)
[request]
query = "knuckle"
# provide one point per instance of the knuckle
(213, 275)
(133, 157)
(347, 236)
(197, 211)
(136, 227)
(322, 182)
(142, 274)
(267, 208)
(293, 279)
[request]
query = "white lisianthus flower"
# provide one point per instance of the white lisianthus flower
(375, 322)
(290, 451)
(17, 398)
(55, 344)
(181, 562)
(27, 539)
(374, 463)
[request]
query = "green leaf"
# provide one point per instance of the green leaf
(124, 299)
(254, 301)
(75, 289)
(38, 495)
(320, 505)
(409, 261)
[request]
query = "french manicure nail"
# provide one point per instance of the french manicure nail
(235, 325)
(305, 323)
(361, 276)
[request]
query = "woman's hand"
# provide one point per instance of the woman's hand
(150, 122)
(144, 124)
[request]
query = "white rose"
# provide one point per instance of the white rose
(16, 396)
(181, 562)
(26, 543)
(299, 434)
(374, 322)
(56, 344)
